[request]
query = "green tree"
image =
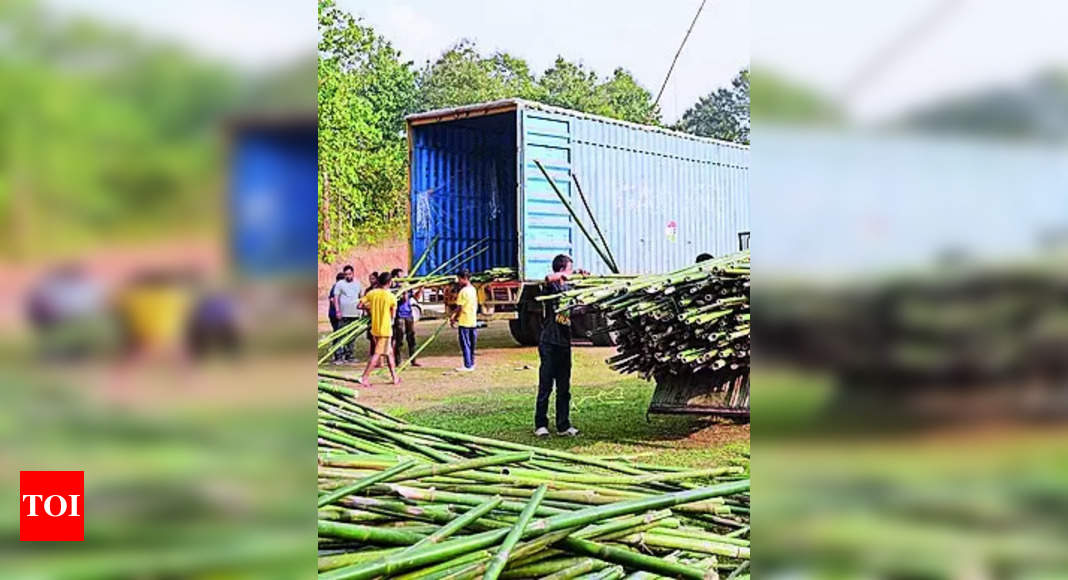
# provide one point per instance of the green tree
(572, 86)
(462, 76)
(722, 114)
(107, 135)
(364, 92)
(628, 100)
(779, 99)
(1034, 109)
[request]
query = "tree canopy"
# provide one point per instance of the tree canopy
(366, 89)
(107, 134)
(782, 100)
(364, 92)
(722, 114)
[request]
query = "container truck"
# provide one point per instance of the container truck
(660, 197)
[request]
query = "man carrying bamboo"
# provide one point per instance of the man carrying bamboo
(554, 352)
(465, 315)
(382, 306)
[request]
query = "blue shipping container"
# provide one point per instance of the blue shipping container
(661, 197)
(272, 197)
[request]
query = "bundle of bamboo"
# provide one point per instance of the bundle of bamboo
(401, 500)
(688, 321)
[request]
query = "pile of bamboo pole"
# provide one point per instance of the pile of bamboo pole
(691, 320)
(401, 500)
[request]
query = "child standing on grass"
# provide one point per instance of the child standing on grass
(382, 306)
(465, 316)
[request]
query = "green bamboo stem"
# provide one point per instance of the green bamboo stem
(522, 550)
(455, 256)
(687, 544)
(736, 573)
(347, 559)
(567, 204)
(582, 566)
(426, 252)
(697, 534)
(438, 496)
(540, 568)
(469, 464)
(368, 534)
(632, 559)
(500, 559)
(519, 447)
(457, 524)
(366, 482)
(423, 346)
(596, 226)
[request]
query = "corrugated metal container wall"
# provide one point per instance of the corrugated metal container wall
(898, 201)
(272, 201)
(660, 199)
(463, 190)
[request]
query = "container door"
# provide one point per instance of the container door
(546, 223)
(272, 201)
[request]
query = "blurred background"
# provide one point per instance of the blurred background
(910, 200)
(157, 196)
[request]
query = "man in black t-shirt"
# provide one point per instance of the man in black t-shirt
(554, 352)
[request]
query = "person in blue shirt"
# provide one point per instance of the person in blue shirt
(404, 323)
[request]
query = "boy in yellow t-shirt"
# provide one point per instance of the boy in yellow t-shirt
(382, 305)
(465, 316)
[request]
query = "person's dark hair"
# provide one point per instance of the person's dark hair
(340, 276)
(383, 279)
(348, 269)
(395, 272)
(704, 257)
(464, 274)
(560, 262)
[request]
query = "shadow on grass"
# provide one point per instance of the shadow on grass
(612, 421)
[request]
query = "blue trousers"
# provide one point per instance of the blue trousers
(467, 346)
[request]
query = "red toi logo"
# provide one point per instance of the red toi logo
(51, 506)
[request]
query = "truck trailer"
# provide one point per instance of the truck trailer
(661, 197)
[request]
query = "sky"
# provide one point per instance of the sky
(969, 45)
(640, 36)
(975, 44)
(253, 34)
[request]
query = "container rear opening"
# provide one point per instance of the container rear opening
(463, 190)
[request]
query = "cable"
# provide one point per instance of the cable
(677, 53)
(892, 51)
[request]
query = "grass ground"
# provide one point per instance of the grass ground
(498, 401)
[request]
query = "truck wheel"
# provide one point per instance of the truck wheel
(524, 334)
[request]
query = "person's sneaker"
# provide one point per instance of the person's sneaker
(464, 369)
(541, 432)
(416, 364)
(571, 432)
